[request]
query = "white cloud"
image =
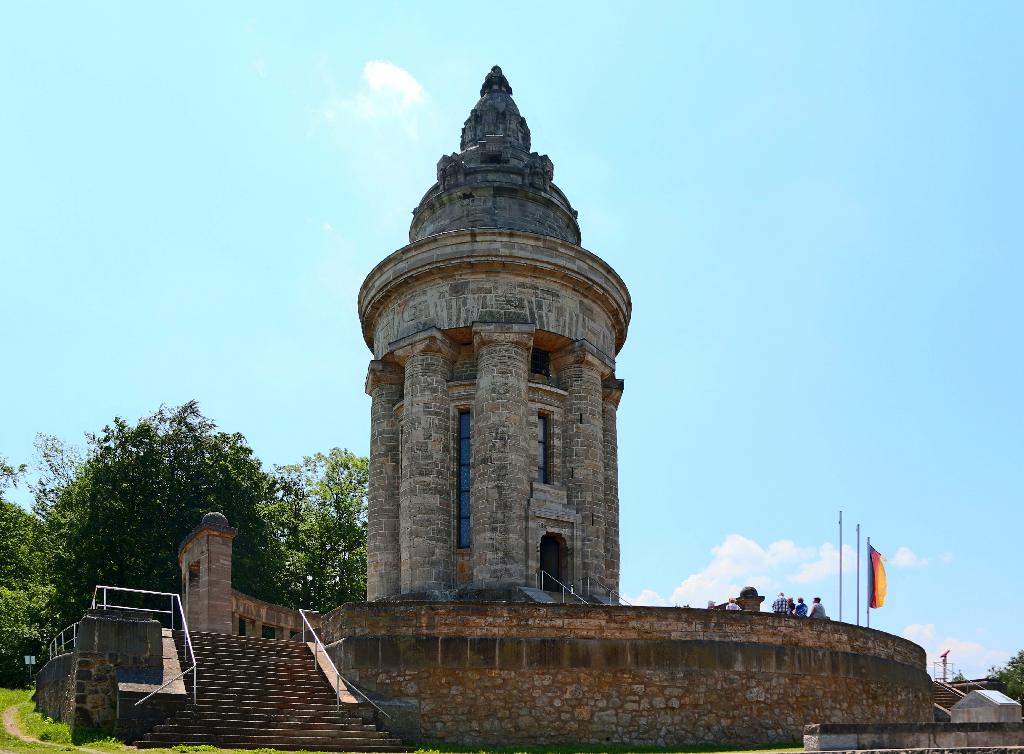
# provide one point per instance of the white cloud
(382, 76)
(825, 565)
(648, 598)
(735, 563)
(739, 561)
(969, 657)
(904, 557)
(946, 557)
(388, 95)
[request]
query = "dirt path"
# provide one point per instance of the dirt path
(12, 727)
(11, 724)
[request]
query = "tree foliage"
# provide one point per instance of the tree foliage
(24, 589)
(118, 516)
(1012, 674)
(321, 511)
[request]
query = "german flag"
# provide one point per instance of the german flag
(876, 578)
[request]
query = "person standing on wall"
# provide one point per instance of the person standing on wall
(780, 606)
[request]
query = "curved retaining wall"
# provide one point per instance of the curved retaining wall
(512, 673)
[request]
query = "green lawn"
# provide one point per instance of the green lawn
(53, 736)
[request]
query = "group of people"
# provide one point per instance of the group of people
(784, 605)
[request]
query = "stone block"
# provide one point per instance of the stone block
(986, 706)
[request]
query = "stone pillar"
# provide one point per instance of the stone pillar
(426, 514)
(384, 382)
(501, 466)
(580, 370)
(205, 562)
(612, 394)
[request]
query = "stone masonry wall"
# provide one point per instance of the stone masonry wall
(55, 687)
(519, 674)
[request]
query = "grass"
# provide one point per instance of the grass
(52, 736)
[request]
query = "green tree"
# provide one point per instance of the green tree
(24, 591)
(117, 515)
(1012, 674)
(321, 516)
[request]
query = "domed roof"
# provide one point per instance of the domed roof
(749, 591)
(495, 181)
(216, 520)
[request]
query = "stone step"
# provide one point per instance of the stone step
(258, 705)
(257, 693)
(306, 741)
(396, 746)
(314, 686)
(274, 729)
(237, 716)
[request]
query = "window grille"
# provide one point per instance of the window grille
(540, 362)
(543, 463)
(464, 458)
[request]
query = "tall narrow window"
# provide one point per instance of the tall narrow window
(543, 467)
(464, 478)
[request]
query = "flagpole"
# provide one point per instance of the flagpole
(871, 565)
(840, 566)
(858, 574)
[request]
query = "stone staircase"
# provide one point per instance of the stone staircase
(945, 695)
(260, 693)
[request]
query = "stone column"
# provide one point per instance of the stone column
(580, 369)
(501, 464)
(384, 382)
(426, 521)
(612, 394)
(205, 562)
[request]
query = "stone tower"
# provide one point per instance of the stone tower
(493, 456)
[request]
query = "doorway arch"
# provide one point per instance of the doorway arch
(552, 562)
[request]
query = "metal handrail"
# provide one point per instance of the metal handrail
(618, 597)
(175, 600)
(542, 574)
(319, 645)
(59, 642)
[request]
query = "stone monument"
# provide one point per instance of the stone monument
(494, 394)
(204, 559)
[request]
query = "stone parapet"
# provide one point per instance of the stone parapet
(610, 622)
(527, 674)
(909, 736)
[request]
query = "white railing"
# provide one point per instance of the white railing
(59, 643)
(100, 594)
(612, 594)
(543, 577)
(318, 647)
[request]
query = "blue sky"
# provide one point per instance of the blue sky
(816, 207)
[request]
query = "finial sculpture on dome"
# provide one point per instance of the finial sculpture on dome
(495, 181)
